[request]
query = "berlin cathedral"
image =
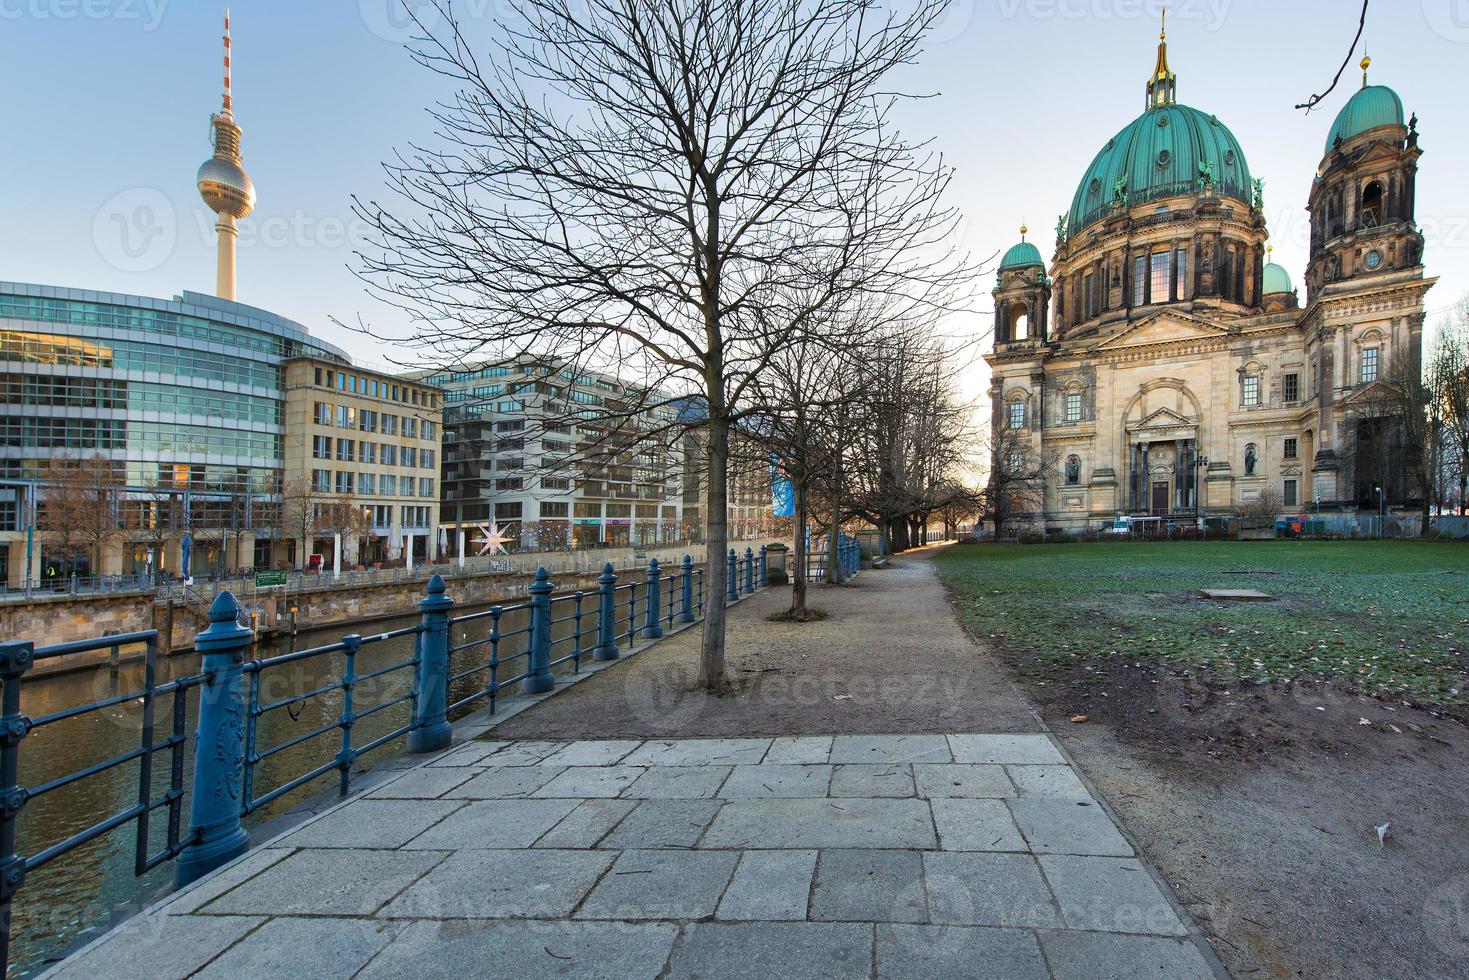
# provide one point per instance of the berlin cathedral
(1163, 365)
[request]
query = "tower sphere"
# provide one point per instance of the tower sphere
(226, 188)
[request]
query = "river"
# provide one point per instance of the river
(95, 883)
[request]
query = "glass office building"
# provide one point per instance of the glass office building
(186, 394)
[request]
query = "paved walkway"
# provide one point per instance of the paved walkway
(902, 855)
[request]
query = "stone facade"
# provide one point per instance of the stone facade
(1161, 367)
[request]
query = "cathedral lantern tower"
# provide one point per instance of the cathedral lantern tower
(223, 183)
(1022, 295)
(1362, 199)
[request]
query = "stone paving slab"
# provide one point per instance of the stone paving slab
(869, 886)
(661, 885)
(327, 882)
(458, 949)
(770, 886)
(584, 826)
(814, 856)
(1057, 826)
(495, 824)
(1108, 956)
(917, 952)
(890, 748)
(373, 823)
(822, 823)
(496, 783)
(1012, 750)
(776, 780)
(512, 884)
(872, 780)
(963, 780)
(316, 948)
(789, 950)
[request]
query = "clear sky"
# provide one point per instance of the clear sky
(106, 106)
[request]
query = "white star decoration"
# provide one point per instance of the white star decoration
(493, 540)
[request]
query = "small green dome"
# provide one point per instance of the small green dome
(1369, 107)
(1021, 256)
(1275, 280)
(1162, 153)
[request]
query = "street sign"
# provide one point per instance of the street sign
(265, 580)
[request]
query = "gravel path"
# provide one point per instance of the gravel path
(915, 671)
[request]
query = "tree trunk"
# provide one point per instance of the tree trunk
(798, 549)
(711, 655)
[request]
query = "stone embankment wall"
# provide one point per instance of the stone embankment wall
(48, 620)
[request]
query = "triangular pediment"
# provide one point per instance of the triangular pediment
(1163, 420)
(1165, 328)
(1164, 416)
(1377, 394)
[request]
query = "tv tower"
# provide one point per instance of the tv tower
(223, 183)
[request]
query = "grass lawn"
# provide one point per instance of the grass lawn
(1390, 618)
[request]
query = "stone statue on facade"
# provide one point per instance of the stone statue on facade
(1250, 460)
(1206, 175)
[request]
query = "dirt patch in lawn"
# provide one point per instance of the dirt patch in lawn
(1260, 805)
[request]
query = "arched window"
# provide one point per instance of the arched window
(1372, 205)
(1019, 322)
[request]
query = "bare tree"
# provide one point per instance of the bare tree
(1399, 426)
(911, 437)
(81, 506)
(301, 514)
(668, 186)
(157, 516)
(1449, 373)
(1019, 474)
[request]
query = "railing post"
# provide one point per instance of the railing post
(606, 648)
(215, 832)
(749, 571)
(431, 729)
(15, 659)
(651, 628)
(732, 581)
(538, 673)
(764, 566)
(686, 610)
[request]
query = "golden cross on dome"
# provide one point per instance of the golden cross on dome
(1163, 28)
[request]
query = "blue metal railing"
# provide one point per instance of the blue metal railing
(530, 640)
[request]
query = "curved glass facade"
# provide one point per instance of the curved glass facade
(187, 392)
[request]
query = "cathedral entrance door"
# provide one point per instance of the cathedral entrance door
(1160, 497)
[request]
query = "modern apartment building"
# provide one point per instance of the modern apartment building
(567, 457)
(362, 457)
(181, 399)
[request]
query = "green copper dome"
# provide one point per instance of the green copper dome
(1275, 280)
(1020, 256)
(1167, 151)
(1369, 107)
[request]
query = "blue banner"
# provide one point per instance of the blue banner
(782, 494)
